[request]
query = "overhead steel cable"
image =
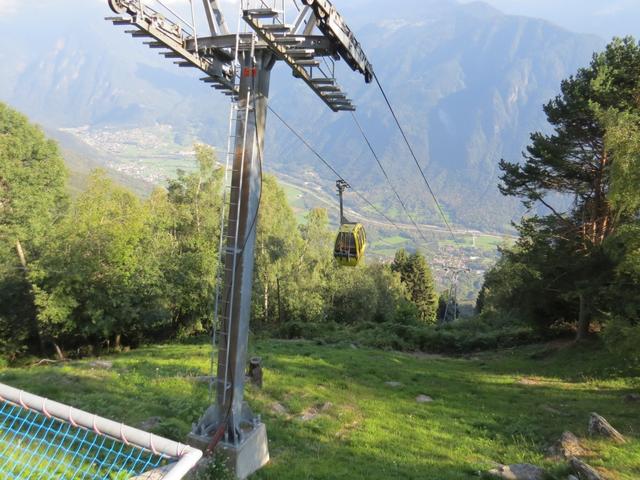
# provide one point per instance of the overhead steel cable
(415, 159)
(386, 176)
(335, 172)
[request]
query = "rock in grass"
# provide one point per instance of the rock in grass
(598, 426)
(567, 446)
(310, 414)
(584, 471)
(278, 408)
(103, 364)
(424, 399)
(520, 471)
(572, 477)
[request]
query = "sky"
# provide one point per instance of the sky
(605, 18)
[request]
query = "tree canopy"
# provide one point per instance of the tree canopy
(581, 180)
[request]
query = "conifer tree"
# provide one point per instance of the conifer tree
(574, 162)
(416, 275)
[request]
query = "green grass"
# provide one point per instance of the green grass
(483, 242)
(364, 429)
(296, 200)
(294, 196)
(395, 240)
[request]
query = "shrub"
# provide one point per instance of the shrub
(622, 338)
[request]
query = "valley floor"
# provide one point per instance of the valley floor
(343, 412)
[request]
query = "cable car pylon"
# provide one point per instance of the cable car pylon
(239, 65)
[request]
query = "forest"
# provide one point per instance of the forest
(107, 269)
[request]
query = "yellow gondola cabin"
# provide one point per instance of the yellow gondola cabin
(351, 244)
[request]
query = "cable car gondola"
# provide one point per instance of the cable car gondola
(351, 241)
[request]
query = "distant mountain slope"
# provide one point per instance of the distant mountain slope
(81, 160)
(467, 81)
(468, 84)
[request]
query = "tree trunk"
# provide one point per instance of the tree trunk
(118, 343)
(197, 203)
(59, 352)
(35, 324)
(21, 256)
(255, 371)
(583, 318)
(266, 300)
(279, 301)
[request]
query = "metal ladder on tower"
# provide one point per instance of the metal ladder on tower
(223, 307)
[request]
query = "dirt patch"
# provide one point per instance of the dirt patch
(312, 413)
(530, 381)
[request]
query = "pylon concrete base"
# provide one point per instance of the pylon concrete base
(244, 459)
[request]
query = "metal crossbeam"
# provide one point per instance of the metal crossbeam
(302, 68)
(331, 23)
(168, 34)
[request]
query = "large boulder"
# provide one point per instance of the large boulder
(598, 426)
(567, 446)
(520, 471)
(583, 471)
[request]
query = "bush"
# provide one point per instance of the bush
(622, 338)
(215, 469)
(407, 334)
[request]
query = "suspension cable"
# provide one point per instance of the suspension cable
(335, 172)
(386, 176)
(415, 159)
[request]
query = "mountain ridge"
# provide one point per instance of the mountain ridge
(467, 81)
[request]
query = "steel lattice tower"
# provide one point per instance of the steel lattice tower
(239, 65)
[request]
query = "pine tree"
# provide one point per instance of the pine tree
(574, 162)
(416, 275)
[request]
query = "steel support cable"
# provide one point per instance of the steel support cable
(415, 159)
(334, 171)
(386, 176)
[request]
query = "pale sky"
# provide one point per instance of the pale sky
(605, 18)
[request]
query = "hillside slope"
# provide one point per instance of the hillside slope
(330, 413)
